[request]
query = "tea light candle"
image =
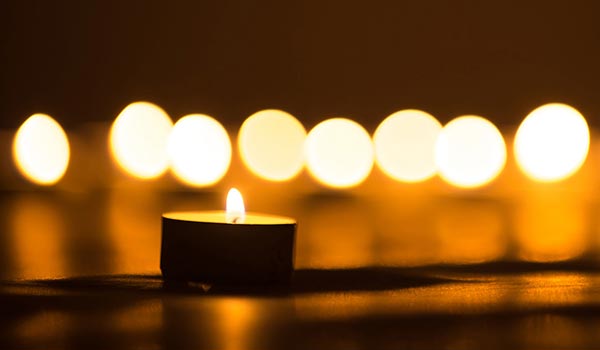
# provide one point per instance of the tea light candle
(227, 247)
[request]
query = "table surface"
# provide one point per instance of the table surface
(81, 271)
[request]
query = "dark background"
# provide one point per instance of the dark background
(83, 61)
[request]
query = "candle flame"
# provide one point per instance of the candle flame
(235, 210)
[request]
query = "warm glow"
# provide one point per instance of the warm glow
(271, 144)
(41, 150)
(130, 215)
(337, 235)
(235, 208)
(234, 321)
(551, 228)
(138, 140)
(552, 142)
(469, 231)
(37, 237)
(404, 145)
(199, 149)
(470, 152)
(339, 153)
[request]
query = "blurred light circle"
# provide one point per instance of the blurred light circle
(339, 153)
(271, 144)
(552, 142)
(405, 143)
(138, 140)
(199, 150)
(470, 152)
(41, 150)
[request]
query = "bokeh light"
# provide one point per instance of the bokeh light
(339, 153)
(138, 140)
(552, 142)
(404, 145)
(470, 152)
(199, 150)
(41, 150)
(271, 144)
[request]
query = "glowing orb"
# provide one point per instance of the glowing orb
(404, 145)
(552, 142)
(339, 153)
(138, 140)
(41, 150)
(470, 152)
(271, 144)
(199, 149)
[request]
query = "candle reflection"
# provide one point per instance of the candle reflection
(236, 318)
(40, 329)
(143, 318)
(551, 228)
(134, 230)
(120, 233)
(229, 323)
(556, 289)
(552, 331)
(470, 231)
(38, 234)
(337, 233)
(405, 230)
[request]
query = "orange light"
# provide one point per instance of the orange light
(235, 322)
(551, 228)
(138, 140)
(404, 145)
(470, 152)
(339, 153)
(338, 235)
(41, 150)
(470, 232)
(199, 149)
(39, 234)
(552, 142)
(271, 144)
(235, 209)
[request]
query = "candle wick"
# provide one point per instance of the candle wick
(235, 220)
